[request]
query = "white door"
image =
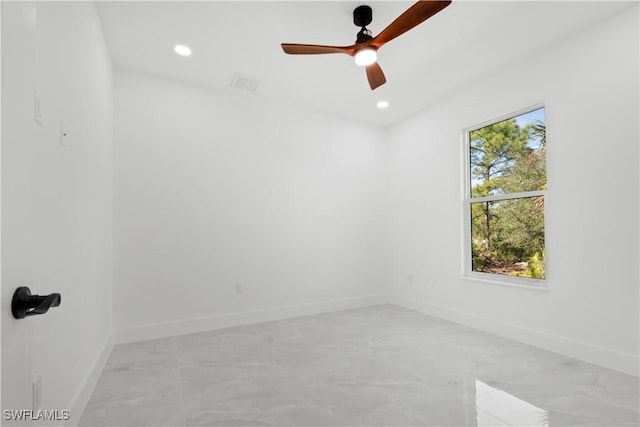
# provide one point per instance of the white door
(18, 134)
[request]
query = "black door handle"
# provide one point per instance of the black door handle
(24, 304)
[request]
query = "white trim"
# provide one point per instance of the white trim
(623, 362)
(1, 98)
(80, 400)
(510, 115)
(499, 197)
(504, 280)
(200, 324)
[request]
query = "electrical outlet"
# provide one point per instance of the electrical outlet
(238, 289)
(36, 388)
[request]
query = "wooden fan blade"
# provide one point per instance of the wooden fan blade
(314, 49)
(415, 15)
(375, 75)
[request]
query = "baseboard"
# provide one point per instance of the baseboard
(187, 326)
(79, 402)
(623, 362)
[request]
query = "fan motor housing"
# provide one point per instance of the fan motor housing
(362, 16)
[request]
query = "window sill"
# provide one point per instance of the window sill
(509, 281)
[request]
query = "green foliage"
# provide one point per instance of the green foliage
(508, 235)
(494, 151)
(535, 267)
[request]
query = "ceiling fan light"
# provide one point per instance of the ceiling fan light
(366, 56)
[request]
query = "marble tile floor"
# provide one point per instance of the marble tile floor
(375, 366)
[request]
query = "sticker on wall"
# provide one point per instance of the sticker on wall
(37, 108)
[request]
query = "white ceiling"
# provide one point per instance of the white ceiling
(462, 43)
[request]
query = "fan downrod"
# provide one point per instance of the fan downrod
(362, 16)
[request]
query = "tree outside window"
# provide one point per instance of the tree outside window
(507, 182)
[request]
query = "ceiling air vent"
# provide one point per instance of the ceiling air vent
(245, 83)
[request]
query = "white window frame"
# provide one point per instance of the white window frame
(467, 271)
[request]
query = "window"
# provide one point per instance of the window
(504, 201)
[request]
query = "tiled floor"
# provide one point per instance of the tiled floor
(381, 365)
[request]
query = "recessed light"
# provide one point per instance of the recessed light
(182, 50)
(382, 104)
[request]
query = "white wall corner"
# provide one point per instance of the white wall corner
(80, 400)
(201, 324)
(623, 362)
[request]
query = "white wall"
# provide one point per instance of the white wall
(216, 188)
(56, 200)
(589, 84)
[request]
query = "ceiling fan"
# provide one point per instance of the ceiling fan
(366, 46)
